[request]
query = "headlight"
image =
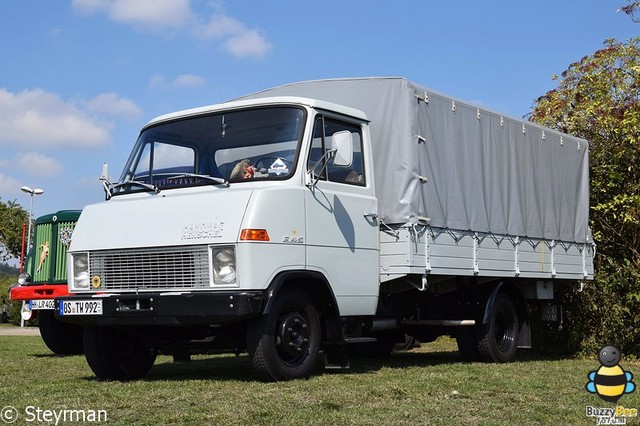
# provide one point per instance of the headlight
(24, 278)
(81, 270)
(224, 265)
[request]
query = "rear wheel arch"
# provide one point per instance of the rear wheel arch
(502, 323)
(514, 293)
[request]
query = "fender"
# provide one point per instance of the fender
(488, 307)
(320, 290)
(524, 335)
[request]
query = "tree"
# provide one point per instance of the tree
(632, 9)
(12, 216)
(598, 98)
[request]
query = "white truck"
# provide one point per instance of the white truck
(294, 222)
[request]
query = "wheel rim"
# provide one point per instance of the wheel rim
(504, 330)
(292, 338)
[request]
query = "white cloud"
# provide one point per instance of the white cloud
(38, 118)
(112, 104)
(151, 13)
(8, 185)
(237, 38)
(39, 165)
(188, 80)
(90, 6)
(155, 15)
(160, 15)
(158, 81)
(248, 43)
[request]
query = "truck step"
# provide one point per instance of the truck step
(360, 340)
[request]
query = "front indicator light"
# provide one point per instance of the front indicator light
(254, 235)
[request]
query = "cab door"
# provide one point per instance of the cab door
(341, 210)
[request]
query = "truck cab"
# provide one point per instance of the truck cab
(247, 225)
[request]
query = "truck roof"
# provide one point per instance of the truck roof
(272, 100)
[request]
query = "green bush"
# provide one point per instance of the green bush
(597, 98)
(11, 308)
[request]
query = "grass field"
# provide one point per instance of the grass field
(430, 385)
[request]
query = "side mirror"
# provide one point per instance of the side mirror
(342, 146)
(105, 172)
(106, 184)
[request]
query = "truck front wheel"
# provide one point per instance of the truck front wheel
(284, 343)
(114, 354)
(498, 338)
(60, 337)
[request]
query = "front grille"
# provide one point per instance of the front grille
(151, 268)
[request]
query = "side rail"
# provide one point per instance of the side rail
(422, 249)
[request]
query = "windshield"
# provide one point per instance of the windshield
(233, 146)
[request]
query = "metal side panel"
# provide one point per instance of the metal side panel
(413, 249)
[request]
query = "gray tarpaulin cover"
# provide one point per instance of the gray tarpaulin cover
(463, 167)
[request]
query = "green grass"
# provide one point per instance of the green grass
(430, 385)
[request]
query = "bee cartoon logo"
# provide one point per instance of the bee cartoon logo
(610, 382)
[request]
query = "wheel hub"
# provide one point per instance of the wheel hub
(293, 336)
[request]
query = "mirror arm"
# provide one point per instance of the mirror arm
(327, 155)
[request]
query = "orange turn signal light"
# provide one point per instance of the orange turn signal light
(254, 235)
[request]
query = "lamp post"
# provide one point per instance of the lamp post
(32, 192)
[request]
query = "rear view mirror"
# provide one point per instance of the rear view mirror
(342, 146)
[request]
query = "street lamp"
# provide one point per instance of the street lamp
(32, 192)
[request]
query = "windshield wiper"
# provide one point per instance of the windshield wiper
(147, 186)
(208, 178)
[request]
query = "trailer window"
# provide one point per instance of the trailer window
(323, 130)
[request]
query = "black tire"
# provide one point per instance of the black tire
(114, 354)
(468, 344)
(284, 343)
(61, 338)
(498, 339)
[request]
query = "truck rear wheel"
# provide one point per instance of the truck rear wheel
(114, 354)
(498, 339)
(284, 343)
(61, 338)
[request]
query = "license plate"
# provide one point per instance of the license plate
(41, 304)
(80, 307)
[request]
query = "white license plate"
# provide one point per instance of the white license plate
(41, 304)
(80, 307)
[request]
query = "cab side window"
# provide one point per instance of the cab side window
(319, 162)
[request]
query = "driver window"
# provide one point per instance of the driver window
(352, 174)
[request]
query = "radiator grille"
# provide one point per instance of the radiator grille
(151, 268)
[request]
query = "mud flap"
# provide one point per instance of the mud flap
(336, 356)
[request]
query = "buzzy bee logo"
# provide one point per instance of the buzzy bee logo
(610, 382)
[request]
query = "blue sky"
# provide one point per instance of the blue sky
(79, 78)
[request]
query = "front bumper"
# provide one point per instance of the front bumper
(37, 291)
(169, 308)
